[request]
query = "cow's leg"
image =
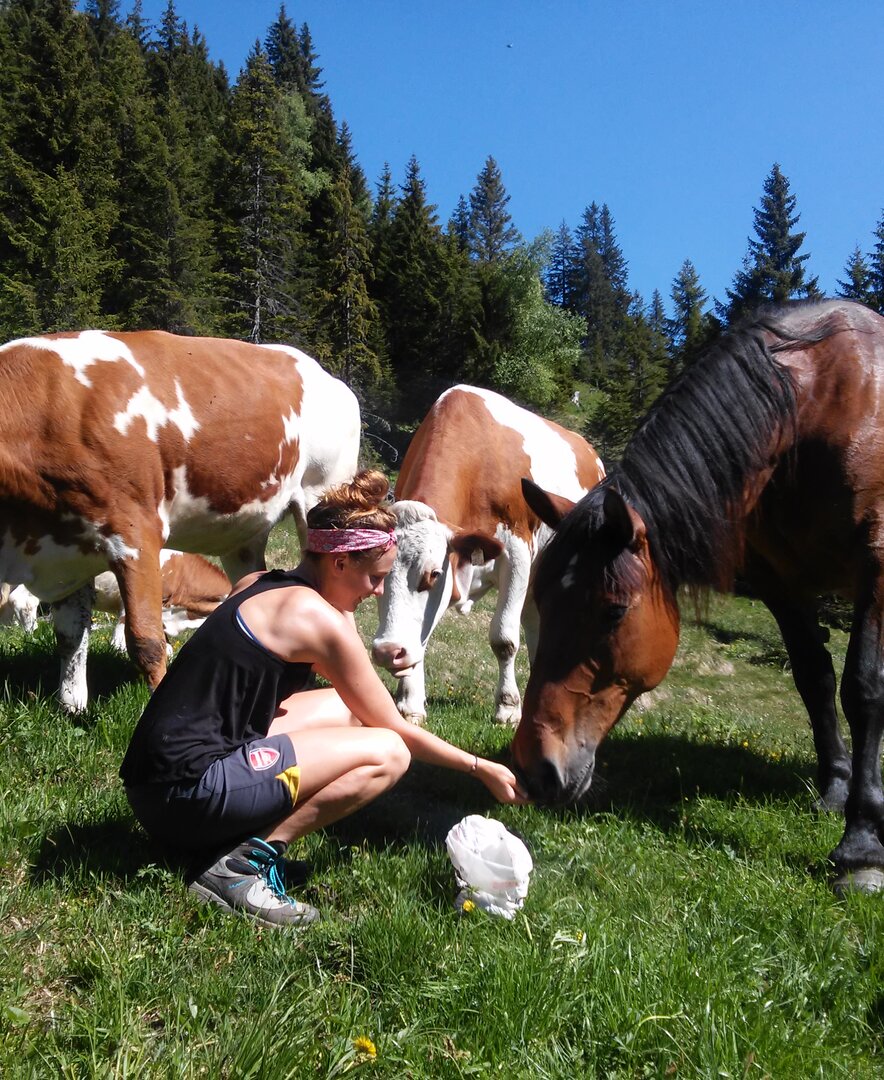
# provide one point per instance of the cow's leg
(247, 558)
(531, 625)
(141, 590)
(298, 508)
(514, 567)
(815, 681)
(859, 857)
(411, 695)
(72, 618)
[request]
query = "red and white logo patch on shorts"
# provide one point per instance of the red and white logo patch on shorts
(263, 757)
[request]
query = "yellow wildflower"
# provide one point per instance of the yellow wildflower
(364, 1045)
(468, 906)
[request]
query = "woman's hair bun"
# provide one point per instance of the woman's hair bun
(359, 504)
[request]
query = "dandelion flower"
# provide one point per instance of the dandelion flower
(468, 906)
(364, 1045)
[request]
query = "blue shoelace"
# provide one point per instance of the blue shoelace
(269, 871)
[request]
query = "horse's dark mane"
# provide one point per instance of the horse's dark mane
(715, 427)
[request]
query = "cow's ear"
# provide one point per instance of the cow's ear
(474, 547)
(622, 523)
(548, 507)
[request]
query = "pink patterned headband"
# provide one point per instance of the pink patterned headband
(335, 541)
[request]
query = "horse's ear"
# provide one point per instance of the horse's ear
(548, 507)
(621, 522)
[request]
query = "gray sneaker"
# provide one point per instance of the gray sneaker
(247, 880)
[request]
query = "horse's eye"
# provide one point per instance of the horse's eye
(434, 576)
(613, 614)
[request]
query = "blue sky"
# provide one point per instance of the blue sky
(671, 112)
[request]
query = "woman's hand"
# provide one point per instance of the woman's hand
(502, 784)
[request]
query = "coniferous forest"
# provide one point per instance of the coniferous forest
(142, 188)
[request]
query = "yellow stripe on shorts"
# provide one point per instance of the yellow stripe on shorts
(292, 780)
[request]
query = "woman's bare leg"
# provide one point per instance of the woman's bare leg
(342, 769)
(312, 709)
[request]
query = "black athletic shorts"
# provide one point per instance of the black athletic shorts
(238, 796)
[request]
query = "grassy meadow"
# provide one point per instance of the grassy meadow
(682, 926)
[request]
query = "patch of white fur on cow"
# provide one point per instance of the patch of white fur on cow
(18, 607)
(190, 524)
(51, 571)
(114, 546)
(143, 405)
(421, 546)
(547, 451)
(81, 352)
(329, 452)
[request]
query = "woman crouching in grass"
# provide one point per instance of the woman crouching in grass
(234, 753)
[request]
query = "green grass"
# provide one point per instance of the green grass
(682, 926)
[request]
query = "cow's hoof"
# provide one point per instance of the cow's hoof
(416, 718)
(508, 715)
(868, 879)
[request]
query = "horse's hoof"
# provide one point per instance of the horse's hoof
(829, 805)
(869, 879)
(832, 800)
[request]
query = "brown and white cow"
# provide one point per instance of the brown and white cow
(192, 588)
(464, 527)
(113, 446)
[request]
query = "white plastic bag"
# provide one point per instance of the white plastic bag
(491, 865)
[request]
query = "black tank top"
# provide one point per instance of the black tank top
(221, 691)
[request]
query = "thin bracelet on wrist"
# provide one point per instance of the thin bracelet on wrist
(475, 764)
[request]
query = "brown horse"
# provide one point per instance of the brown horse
(766, 457)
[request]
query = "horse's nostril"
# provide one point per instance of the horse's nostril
(542, 781)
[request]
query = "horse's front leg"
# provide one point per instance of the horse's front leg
(814, 678)
(859, 857)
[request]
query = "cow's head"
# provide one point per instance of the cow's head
(433, 569)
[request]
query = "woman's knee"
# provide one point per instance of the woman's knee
(393, 754)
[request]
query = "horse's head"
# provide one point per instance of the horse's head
(608, 632)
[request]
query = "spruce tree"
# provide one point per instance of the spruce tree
(380, 229)
(773, 271)
(138, 291)
(263, 213)
(459, 225)
(191, 97)
(561, 269)
(858, 283)
(56, 191)
(491, 231)
(413, 305)
(347, 317)
(634, 376)
(599, 291)
(284, 53)
(691, 330)
(876, 270)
